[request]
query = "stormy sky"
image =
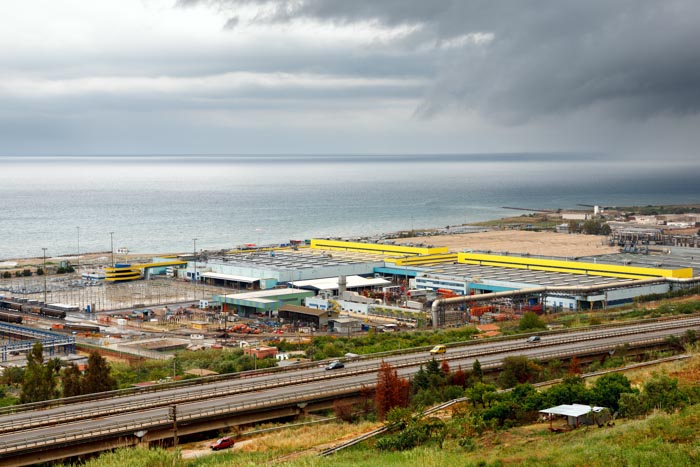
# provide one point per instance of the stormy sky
(618, 77)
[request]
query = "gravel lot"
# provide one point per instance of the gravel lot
(521, 241)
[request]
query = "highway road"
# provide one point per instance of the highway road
(32, 429)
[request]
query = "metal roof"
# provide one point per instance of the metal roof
(331, 283)
(293, 260)
(263, 294)
(230, 277)
(573, 410)
(303, 310)
(522, 277)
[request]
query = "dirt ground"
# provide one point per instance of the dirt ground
(521, 241)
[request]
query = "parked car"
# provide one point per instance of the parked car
(533, 339)
(438, 349)
(334, 365)
(222, 443)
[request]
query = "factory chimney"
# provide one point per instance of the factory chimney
(342, 285)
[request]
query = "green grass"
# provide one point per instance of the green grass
(658, 440)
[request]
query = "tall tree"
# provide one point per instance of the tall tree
(39, 382)
(459, 377)
(517, 369)
(445, 368)
(391, 390)
(477, 371)
(97, 375)
(71, 380)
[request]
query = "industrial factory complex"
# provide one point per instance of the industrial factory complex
(408, 280)
(338, 285)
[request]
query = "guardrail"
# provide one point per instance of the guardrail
(257, 385)
(245, 374)
(444, 405)
(161, 417)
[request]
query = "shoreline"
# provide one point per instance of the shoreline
(537, 218)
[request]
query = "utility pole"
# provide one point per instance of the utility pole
(194, 276)
(173, 417)
(78, 248)
(111, 245)
(44, 275)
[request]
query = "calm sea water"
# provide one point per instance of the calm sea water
(159, 204)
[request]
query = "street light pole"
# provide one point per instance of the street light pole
(194, 276)
(78, 248)
(111, 245)
(44, 269)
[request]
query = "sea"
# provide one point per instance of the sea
(168, 204)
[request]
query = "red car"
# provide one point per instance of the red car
(222, 443)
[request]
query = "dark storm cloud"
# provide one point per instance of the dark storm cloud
(631, 59)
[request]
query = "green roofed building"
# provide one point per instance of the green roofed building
(261, 301)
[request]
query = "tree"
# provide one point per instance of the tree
(459, 378)
(662, 392)
(531, 322)
(631, 405)
(574, 366)
(477, 371)
(478, 394)
(445, 368)
(608, 388)
(12, 376)
(517, 369)
(71, 380)
(420, 380)
(433, 367)
(572, 390)
(39, 382)
(391, 390)
(97, 375)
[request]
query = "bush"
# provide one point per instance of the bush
(531, 322)
(662, 392)
(467, 444)
(631, 405)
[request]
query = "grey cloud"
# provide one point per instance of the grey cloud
(231, 23)
(631, 59)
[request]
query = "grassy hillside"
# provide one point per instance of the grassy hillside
(657, 440)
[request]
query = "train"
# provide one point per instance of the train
(76, 327)
(10, 318)
(32, 309)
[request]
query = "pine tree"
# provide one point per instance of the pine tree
(445, 368)
(477, 371)
(391, 390)
(433, 367)
(459, 378)
(72, 381)
(97, 376)
(39, 383)
(420, 380)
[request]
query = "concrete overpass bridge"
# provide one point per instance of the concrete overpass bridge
(86, 426)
